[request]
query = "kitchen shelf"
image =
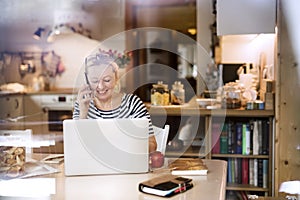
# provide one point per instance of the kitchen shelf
(174, 110)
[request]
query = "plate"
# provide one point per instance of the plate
(204, 102)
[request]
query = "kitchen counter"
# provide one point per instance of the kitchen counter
(54, 91)
(125, 186)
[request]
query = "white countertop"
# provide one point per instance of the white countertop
(125, 186)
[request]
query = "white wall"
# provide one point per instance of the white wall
(19, 19)
(248, 48)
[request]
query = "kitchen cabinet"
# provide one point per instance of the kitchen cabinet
(44, 115)
(36, 118)
(11, 111)
(207, 121)
(245, 17)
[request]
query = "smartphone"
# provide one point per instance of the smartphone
(87, 80)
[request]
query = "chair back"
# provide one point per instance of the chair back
(161, 136)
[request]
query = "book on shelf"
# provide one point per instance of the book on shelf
(259, 172)
(188, 166)
(231, 138)
(245, 171)
(237, 195)
(232, 171)
(238, 171)
(246, 139)
(251, 127)
(265, 137)
(216, 131)
(265, 173)
(260, 134)
(166, 185)
(239, 136)
(251, 172)
(255, 148)
(224, 140)
(229, 173)
(255, 172)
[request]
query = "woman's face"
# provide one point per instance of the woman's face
(103, 82)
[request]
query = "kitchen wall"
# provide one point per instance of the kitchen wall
(250, 48)
(19, 19)
(105, 18)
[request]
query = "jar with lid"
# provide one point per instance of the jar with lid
(160, 94)
(231, 97)
(177, 93)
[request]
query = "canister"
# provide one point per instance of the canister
(160, 95)
(250, 105)
(259, 105)
(177, 93)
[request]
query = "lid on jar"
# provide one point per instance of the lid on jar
(177, 85)
(160, 84)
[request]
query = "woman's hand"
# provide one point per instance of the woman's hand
(152, 143)
(84, 97)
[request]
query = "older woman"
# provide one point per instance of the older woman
(101, 98)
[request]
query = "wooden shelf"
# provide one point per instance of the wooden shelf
(245, 187)
(210, 116)
(239, 156)
(189, 110)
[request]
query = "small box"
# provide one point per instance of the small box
(269, 99)
(267, 85)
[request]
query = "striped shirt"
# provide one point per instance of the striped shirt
(131, 107)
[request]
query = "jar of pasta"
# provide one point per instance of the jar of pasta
(160, 95)
(231, 97)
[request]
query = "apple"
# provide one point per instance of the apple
(156, 159)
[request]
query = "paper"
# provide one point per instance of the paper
(53, 159)
(31, 168)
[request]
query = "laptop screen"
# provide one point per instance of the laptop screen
(104, 146)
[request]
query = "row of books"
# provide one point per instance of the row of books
(241, 195)
(247, 138)
(237, 195)
(248, 171)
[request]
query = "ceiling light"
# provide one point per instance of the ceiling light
(38, 33)
(192, 31)
(62, 29)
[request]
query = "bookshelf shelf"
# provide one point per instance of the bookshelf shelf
(260, 158)
(245, 142)
(245, 187)
(239, 156)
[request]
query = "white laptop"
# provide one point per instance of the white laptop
(105, 146)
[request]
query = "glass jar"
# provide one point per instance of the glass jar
(160, 94)
(177, 93)
(231, 97)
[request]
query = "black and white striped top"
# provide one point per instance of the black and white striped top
(131, 107)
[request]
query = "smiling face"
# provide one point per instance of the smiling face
(103, 80)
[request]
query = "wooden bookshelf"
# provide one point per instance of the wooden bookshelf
(210, 116)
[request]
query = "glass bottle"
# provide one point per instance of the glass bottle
(177, 93)
(160, 94)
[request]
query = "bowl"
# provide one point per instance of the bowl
(204, 102)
